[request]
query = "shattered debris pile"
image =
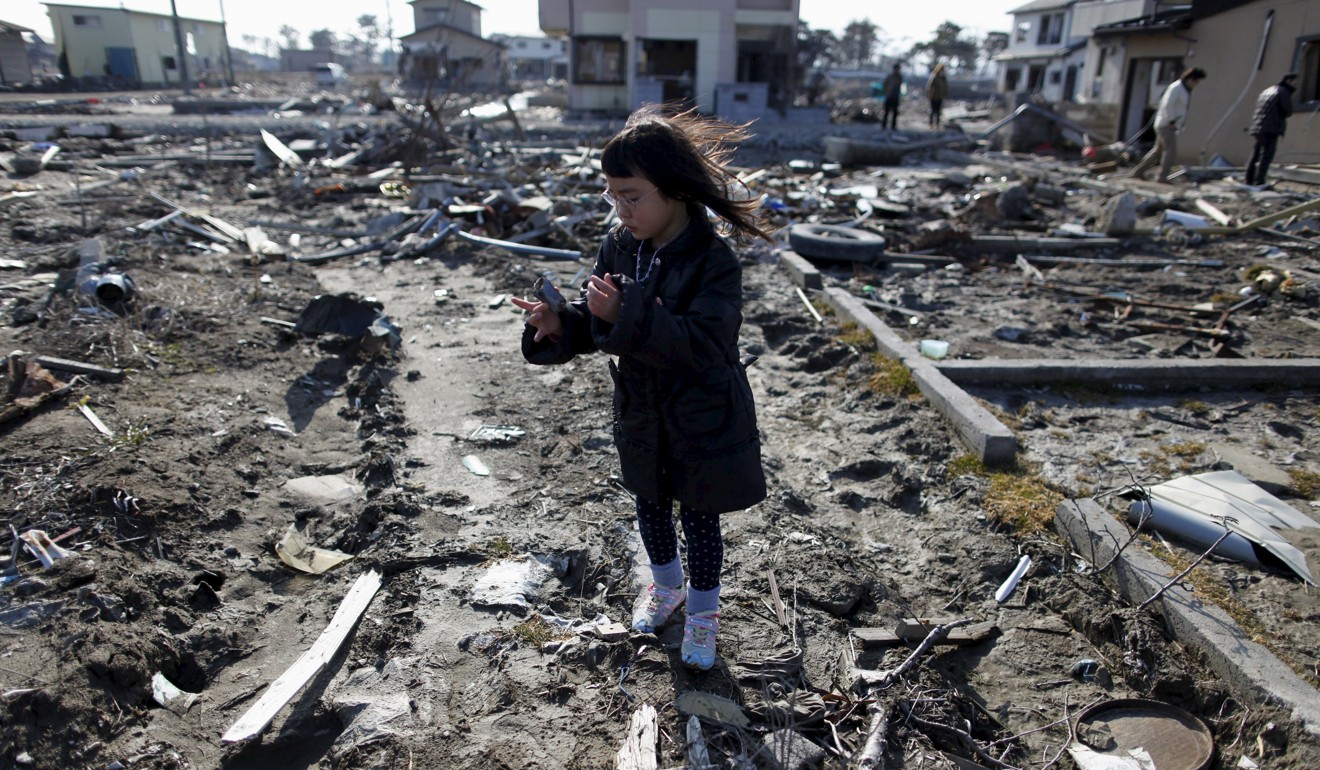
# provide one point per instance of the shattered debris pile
(281, 489)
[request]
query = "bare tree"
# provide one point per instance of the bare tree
(289, 36)
(371, 35)
(859, 43)
(993, 43)
(323, 40)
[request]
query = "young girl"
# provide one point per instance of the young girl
(665, 297)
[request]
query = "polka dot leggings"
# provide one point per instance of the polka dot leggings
(705, 545)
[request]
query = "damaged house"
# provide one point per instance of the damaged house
(728, 57)
(447, 47)
(134, 48)
(14, 66)
(1244, 46)
(1045, 51)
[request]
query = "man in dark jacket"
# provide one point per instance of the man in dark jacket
(1268, 123)
(893, 96)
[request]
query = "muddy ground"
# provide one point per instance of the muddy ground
(876, 514)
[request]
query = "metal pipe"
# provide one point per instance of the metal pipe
(519, 248)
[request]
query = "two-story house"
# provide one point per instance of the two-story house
(135, 47)
(1044, 54)
(446, 48)
(733, 58)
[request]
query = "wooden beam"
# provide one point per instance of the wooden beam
(914, 630)
(638, 751)
(78, 367)
(1270, 219)
(311, 662)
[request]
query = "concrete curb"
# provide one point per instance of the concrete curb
(1248, 667)
(1215, 372)
(803, 273)
(992, 442)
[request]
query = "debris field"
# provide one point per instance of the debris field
(282, 492)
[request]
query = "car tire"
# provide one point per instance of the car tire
(836, 242)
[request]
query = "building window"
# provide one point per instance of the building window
(1097, 82)
(1051, 29)
(93, 22)
(598, 60)
(1035, 77)
(168, 63)
(1306, 63)
(435, 16)
(1023, 32)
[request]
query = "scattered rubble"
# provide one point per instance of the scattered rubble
(241, 328)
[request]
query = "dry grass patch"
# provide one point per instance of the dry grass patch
(857, 337)
(1307, 483)
(1026, 502)
(892, 378)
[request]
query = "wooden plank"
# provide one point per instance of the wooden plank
(280, 149)
(94, 420)
(292, 680)
(1303, 175)
(914, 631)
(78, 367)
(638, 751)
(698, 758)
(1214, 213)
(1277, 216)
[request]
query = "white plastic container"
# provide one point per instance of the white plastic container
(934, 348)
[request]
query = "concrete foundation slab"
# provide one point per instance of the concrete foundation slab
(1193, 372)
(989, 439)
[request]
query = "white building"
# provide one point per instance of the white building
(1045, 53)
(136, 48)
(535, 58)
(733, 58)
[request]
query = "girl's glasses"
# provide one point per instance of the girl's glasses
(620, 203)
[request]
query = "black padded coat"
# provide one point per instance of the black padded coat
(684, 420)
(1273, 108)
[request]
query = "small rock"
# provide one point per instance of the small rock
(791, 751)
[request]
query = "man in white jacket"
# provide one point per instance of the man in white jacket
(1170, 119)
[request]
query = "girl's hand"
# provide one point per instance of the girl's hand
(603, 298)
(545, 320)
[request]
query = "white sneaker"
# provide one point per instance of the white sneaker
(655, 606)
(699, 639)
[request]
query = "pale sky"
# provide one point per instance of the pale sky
(901, 23)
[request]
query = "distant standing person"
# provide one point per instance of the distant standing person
(1273, 107)
(937, 87)
(893, 95)
(1170, 119)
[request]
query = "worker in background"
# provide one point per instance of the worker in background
(937, 87)
(1273, 108)
(893, 89)
(1170, 119)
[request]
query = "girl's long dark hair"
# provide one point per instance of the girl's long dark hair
(685, 155)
